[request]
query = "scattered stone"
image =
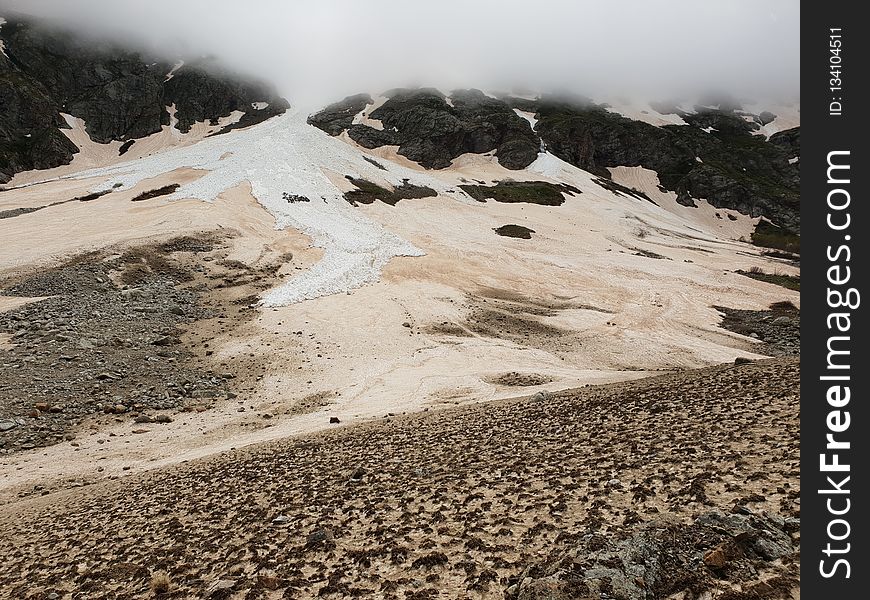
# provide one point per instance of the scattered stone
(541, 396)
(333, 420)
(166, 340)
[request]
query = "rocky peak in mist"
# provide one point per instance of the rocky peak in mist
(717, 155)
(120, 94)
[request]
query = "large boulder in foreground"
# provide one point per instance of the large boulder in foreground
(741, 556)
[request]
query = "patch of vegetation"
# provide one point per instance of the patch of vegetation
(532, 192)
(768, 235)
(787, 281)
(15, 212)
(515, 231)
(622, 190)
(125, 147)
(374, 162)
(367, 192)
(162, 191)
(92, 196)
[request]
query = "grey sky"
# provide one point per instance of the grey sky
(319, 49)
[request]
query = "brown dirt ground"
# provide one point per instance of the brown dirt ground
(445, 504)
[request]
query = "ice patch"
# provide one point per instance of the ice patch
(285, 154)
(644, 113)
(360, 118)
(71, 120)
(259, 105)
(550, 165)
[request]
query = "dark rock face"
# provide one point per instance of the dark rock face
(338, 116)
(738, 170)
(120, 94)
(430, 131)
(203, 92)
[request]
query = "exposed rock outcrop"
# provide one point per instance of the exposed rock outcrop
(716, 157)
(338, 116)
(119, 93)
(433, 131)
(732, 554)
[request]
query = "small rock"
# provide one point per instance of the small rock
(220, 589)
(715, 558)
(41, 406)
(163, 418)
(6, 425)
(267, 580)
(334, 420)
(55, 409)
(280, 520)
(742, 360)
(319, 536)
(406, 324)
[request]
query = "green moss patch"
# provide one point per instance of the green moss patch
(532, 192)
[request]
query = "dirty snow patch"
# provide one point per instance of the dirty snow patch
(362, 118)
(281, 155)
(528, 116)
(174, 69)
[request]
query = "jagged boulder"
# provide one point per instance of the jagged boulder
(654, 560)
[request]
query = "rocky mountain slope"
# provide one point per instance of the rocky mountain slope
(718, 154)
(120, 94)
(625, 491)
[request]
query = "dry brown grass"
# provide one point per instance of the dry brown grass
(160, 583)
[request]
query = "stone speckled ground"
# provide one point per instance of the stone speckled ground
(446, 504)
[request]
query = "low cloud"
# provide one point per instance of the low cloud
(318, 50)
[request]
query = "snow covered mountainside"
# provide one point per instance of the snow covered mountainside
(176, 240)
